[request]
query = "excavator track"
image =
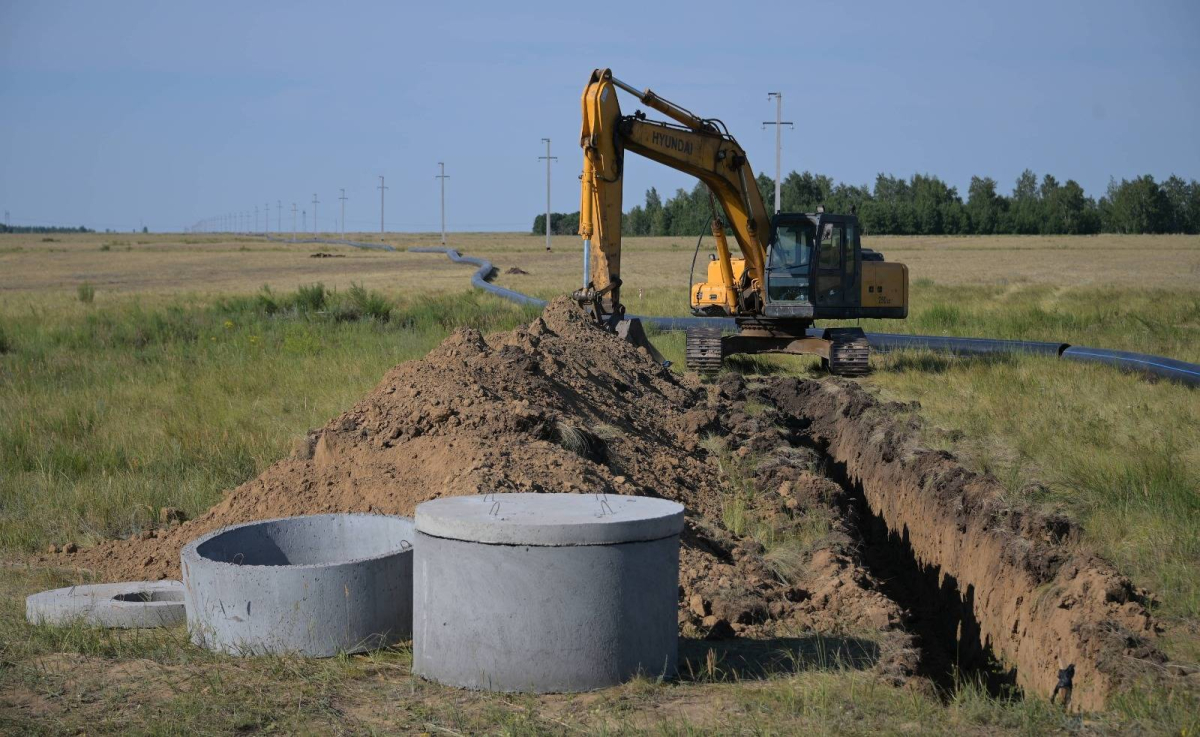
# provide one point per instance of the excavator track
(849, 352)
(703, 351)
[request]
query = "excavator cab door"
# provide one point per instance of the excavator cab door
(836, 279)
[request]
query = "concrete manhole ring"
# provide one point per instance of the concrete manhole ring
(315, 586)
(131, 605)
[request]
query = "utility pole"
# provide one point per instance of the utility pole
(266, 218)
(778, 123)
(279, 216)
(343, 198)
(381, 189)
(443, 177)
(548, 159)
(304, 219)
(256, 218)
(293, 222)
(314, 213)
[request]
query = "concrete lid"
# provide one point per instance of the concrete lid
(550, 519)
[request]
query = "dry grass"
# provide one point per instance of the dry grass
(169, 264)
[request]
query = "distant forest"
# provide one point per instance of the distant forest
(925, 205)
(6, 228)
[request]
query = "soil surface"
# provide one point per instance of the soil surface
(563, 406)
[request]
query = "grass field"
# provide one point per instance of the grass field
(141, 371)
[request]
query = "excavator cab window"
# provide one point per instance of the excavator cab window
(791, 250)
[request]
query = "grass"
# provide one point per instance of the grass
(116, 412)
(747, 511)
(82, 680)
(160, 395)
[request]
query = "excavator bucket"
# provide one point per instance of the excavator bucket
(633, 332)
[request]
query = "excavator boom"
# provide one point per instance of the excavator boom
(692, 144)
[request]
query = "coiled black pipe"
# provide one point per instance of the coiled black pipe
(1154, 366)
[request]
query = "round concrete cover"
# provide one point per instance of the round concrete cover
(550, 519)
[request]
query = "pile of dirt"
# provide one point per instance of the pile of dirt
(556, 406)
(517, 270)
(322, 254)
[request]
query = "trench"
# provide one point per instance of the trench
(940, 614)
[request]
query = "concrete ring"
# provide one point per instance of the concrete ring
(130, 605)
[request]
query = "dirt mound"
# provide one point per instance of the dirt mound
(517, 270)
(558, 405)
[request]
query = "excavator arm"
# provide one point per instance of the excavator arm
(698, 146)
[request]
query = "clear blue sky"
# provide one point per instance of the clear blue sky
(115, 114)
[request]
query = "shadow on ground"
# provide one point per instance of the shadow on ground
(746, 659)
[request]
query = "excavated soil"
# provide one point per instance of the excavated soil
(905, 544)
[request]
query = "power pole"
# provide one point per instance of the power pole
(314, 213)
(779, 123)
(304, 219)
(548, 159)
(381, 189)
(343, 198)
(266, 218)
(279, 216)
(256, 218)
(443, 177)
(293, 222)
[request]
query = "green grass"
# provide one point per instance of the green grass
(748, 511)
(116, 411)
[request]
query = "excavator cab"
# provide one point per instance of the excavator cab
(813, 265)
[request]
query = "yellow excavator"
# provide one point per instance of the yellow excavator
(794, 267)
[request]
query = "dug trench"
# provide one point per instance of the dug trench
(814, 515)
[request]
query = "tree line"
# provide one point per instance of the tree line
(925, 205)
(6, 228)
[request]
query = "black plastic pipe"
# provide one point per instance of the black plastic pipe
(1154, 366)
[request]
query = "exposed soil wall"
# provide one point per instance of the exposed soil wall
(1039, 602)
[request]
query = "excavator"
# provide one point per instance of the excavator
(794, 268)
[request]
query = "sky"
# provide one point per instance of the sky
(119, 115)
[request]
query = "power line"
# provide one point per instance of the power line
(778, 123)
(443, 177)
(278, 216)
(293, 222)
(315, 203)
(548, 159)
